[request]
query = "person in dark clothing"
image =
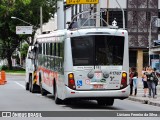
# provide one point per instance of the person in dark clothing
(156, 80)
(133, 79)
(150, 81)
(144, 80)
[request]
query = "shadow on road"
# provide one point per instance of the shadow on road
(83, 104)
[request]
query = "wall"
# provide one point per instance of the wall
(113, 4)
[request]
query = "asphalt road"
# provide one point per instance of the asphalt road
(14, 97)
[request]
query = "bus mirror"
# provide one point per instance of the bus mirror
(31, 55)
(30, 40)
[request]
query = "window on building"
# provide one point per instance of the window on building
(148, 16)
(134, 18)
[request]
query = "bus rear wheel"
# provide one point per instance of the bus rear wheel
(105, 102)
(57, 100)
(43, 91)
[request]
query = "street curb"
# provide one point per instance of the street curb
(154, 103)
(145, 101)
(16, 74)
(138, 100)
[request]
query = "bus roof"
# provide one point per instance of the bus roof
(56, 36)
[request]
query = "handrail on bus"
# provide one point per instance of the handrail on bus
(93, 14)
(95, 18)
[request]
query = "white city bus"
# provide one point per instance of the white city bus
(84, 63)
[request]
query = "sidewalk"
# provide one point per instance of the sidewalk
(145, 100)
(17, 74)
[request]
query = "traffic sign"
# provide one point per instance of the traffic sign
(82, 1)
(24, 29)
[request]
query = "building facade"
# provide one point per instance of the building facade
(138, 16)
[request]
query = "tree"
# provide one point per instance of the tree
(27, 10)
(24, 50)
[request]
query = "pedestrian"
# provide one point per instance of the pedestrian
(144, 80)
(155, 79)
(150, 81)
(133, 81)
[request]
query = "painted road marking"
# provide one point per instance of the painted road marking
(20, 84)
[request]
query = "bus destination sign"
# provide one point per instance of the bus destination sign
(82, 1)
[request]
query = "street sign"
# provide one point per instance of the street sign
(82, 1)
(24, 29)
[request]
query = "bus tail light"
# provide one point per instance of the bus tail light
(71, 81)
(124, 80)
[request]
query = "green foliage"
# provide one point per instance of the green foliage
(4, 67)
(27, 10)
(24, 51)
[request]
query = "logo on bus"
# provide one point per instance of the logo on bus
(111, 78)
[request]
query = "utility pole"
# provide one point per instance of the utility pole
(107, 12)
(150, 37)
(60, 15)
(122, 14)
(98, 14)
(41, 20)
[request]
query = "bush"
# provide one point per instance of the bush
(4, 67)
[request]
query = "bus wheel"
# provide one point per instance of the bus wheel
(109, 102)
(32, 88)
(43, 91)
(30, 83)
(57, 100)
(105, 102)
(27, 86)
(101, 102)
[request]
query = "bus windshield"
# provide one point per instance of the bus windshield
(97, 50)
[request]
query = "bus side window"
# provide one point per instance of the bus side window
(62, 57)
(54, 49)
(43, 54)
(40, 54)
(48, 56)
(44, 48)
(51, 49)
(40, 48)
(59, 49)
(52, 56)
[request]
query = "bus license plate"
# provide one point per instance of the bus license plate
(97, 86)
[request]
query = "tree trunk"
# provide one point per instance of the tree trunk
(9, 62)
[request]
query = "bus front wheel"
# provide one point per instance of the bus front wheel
(27, 86)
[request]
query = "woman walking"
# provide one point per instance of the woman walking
(144, 80)
(134, 79)
(131, 81)
(150, 81)
(155, 79)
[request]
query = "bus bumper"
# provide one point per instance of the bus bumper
(117, 94)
